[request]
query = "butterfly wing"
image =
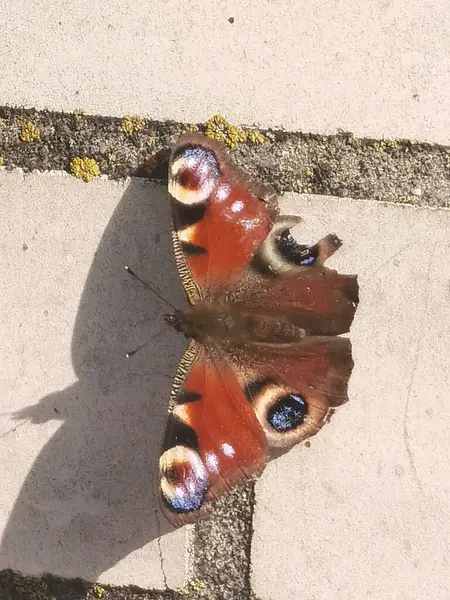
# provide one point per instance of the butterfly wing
(318, 300)
(231, 413)
(213, 439)
(220, 218)
(291, 279)
(229, 239)
(291, 387)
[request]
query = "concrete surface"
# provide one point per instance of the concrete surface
(364, 512)
(80, 426)
(376, 68)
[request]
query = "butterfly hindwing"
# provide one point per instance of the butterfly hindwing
(229, 417)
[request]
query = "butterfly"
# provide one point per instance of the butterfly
(264, 363)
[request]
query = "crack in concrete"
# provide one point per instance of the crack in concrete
(161, 557)
(406, 435)
(387, 261)
(13, 429)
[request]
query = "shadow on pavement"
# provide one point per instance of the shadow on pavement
(89, 499)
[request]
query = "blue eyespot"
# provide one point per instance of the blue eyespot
(200, 158)
(184, 479)
(287, 413)
(308, 261)
(188, 497)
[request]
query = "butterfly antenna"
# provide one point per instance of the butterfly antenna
(131, 352)
(149, 287)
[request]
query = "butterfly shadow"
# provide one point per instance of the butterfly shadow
(90, 496)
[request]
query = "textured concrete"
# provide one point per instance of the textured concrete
(80, 426)
(375, 68)
(364, 512)
(334, 165)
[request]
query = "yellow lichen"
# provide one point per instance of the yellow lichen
(30, 133)
(255, 137)
(79, 113)
(132, 124)
(84, 168)
(309, 173)
(384, 143)
(404, 200)
(218, 128)
(190, 128)
(182, 591)
(1, 161)
(97, 590)
(391, 143)
(197, 586)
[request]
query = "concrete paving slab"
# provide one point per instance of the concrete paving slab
(364, 511)
(80, 426)
(376, 68)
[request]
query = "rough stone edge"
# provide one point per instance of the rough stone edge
(14, 586)
(219, 548)
(341, 165)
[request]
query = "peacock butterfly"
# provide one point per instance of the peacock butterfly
(264, 363)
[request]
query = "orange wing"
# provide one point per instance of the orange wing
(219, 217)
(229, 416)
(213, 438)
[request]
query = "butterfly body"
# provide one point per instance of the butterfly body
(225, 324)
(265, 361)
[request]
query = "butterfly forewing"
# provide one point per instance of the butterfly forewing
(213, 437)
(220, 219)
